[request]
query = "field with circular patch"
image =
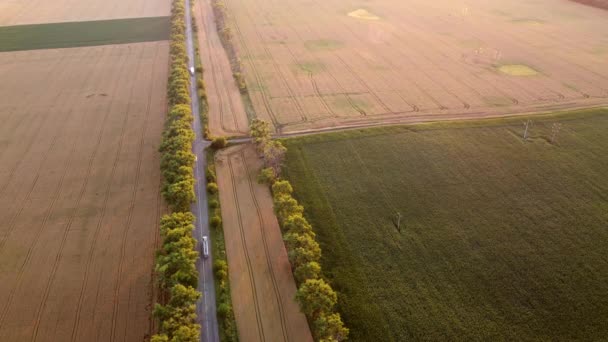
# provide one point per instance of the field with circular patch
(321, 64)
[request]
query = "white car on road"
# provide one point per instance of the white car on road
(191, 71)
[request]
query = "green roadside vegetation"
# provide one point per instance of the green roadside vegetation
(463, 231)
(315, 296)
(175, 261)
(84, 33)
(225, 313)
(200, 83)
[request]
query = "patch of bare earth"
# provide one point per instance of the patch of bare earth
(79, 191)
(404, 61)
(227, 116)
(262, 285)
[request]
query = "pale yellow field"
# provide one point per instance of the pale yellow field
(79, 191)
(20, 12)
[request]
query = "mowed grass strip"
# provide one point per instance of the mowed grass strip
(85, 33)
(502, 239)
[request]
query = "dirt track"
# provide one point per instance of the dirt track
(261, 281)
(79, 188)
(227, 116)
(16, 12)
(309, 65)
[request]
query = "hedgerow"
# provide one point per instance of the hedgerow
(225, 313)
(315, 296)
(176, 258)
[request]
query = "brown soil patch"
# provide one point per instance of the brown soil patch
(79, 191)
(227, 116)
(422, 60)
(596, 3)
(53, 11)
(263, 288)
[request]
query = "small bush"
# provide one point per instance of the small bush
(199, 69)
(211, 178)
(212, 188)
(214, 204)
(266, 176)
(218, 143)
(215, 221)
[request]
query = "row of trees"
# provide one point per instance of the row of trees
(175, 261)
(177, 277)
(316, 297)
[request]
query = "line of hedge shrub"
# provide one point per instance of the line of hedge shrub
(175, 261)
(225, 312)
(315, 296)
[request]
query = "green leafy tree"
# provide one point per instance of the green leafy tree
(260, 132)
(315, 297)
(285, 206)
(297, 224)
(281, 187)
(309, 270)
(330, 328)
(266, 176)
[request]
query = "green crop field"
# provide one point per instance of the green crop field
(85, 33)
(501, 238)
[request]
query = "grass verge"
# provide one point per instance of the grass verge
(500, 238)
(84, 33)
(226, 319)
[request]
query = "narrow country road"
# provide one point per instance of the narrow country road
(205, 308)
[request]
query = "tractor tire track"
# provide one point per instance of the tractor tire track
(266, 249)
(121, 259)
(46, 218)
(246, 251)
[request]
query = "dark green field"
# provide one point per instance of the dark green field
(85, 33)
(502, 239)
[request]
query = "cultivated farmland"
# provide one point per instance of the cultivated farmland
(79, 191)
(318, 64)
(17, 12)
(499, 239)
(262, 285)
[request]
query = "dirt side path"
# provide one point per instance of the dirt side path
(227, 114)
(263, 288)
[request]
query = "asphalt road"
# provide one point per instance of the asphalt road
(205, 308)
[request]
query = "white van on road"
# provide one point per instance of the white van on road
(205, 247)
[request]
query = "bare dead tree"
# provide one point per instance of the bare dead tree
(527, 125)
(555, 129)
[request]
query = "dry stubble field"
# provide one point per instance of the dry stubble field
(315, 64)
(262, 285)
(19, 12)
(79, 191)
(227, 116)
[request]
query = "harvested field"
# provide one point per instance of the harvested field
(319, 64)
(500, 239)
(79, 191)
(227, 116)
(18, 12)
(262, 285)
(87, 33)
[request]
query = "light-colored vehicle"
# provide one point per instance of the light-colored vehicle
(192, 71)
(205, 247)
